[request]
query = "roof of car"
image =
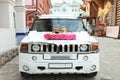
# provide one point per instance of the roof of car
(57, 16)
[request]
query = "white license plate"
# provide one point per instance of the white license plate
(60, 65)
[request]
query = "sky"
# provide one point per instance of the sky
(60, 1)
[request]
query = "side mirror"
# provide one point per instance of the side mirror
(28, 30)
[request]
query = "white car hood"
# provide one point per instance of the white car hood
(81, 38)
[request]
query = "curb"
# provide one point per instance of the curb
(8, 56)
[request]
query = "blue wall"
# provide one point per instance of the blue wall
(19, 37)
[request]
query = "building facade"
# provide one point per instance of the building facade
(7, 25)
(36, 7)
(12, 21)
(20, 20)
(117, 12)
(25, 11)
(101, 11)
(67, 8)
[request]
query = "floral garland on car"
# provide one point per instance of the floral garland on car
(60, 36)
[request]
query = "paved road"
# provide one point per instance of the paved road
(109, 64)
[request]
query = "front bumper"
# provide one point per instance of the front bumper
(44, 65)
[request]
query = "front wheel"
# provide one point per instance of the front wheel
(26, 76)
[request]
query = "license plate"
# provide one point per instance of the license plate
(60, 66)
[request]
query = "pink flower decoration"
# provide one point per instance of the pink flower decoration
(60, 36)
(46, 36)
(53, 36)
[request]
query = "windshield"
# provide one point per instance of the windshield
(71, 25)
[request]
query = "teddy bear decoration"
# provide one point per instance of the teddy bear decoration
(56, 30)
(63, 30)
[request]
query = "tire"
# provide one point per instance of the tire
(90, 75)
(26, 75)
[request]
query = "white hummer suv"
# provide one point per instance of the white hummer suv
(58, 44)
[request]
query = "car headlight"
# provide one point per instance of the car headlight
(84, 47)
(35, 47)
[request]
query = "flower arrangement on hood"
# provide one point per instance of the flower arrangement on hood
(60, 36)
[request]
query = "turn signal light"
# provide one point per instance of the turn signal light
(95, 47)
(24, 48)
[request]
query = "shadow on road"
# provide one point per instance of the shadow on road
(59, 77)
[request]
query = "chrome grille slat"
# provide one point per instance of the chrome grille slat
(55, 48)
(60, 48)
(71, 48)
(65, 48)
(44, 48)
(49, 48)
(76, 48)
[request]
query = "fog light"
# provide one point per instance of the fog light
(85, 58)
(93, 67)
(26, 68)
(34, 58)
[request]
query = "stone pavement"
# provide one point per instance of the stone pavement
(10, 71)
(109, 58)
(6, 56)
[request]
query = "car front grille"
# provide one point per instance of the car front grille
(58, 48)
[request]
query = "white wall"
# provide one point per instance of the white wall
(20, 22)
(4, 15)
(28, 2)
(21, 2)
(20, 16)
(7, 30)
(7, 39)
(11, 17)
